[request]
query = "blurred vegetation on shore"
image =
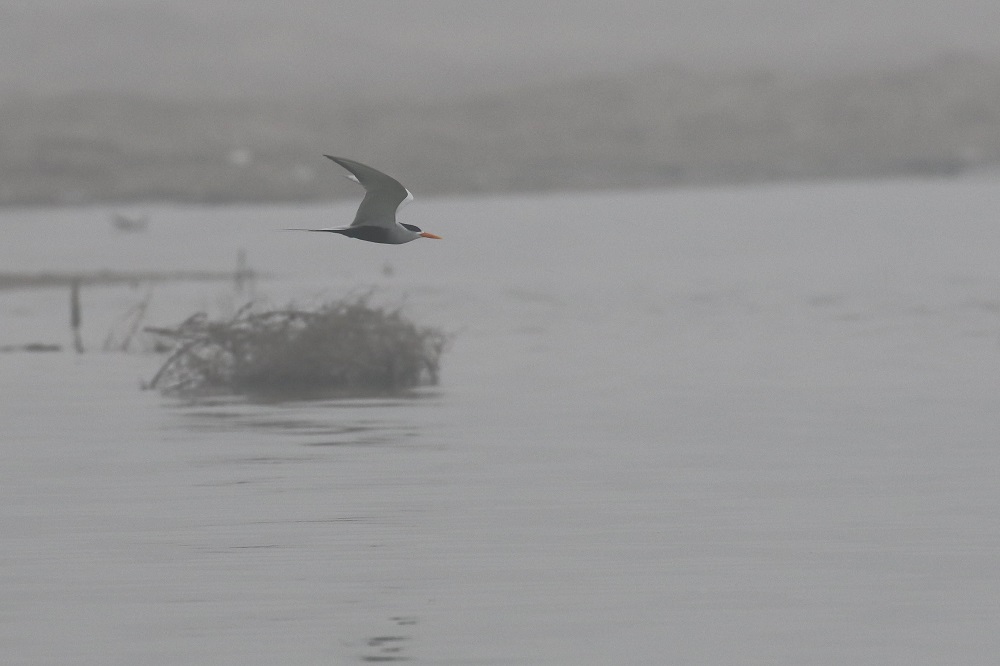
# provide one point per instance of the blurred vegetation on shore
(655, 128)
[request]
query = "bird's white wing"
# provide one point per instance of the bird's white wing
(383, 194)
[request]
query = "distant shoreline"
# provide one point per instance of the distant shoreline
(654, 128)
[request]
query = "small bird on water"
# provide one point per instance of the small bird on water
(375, 220)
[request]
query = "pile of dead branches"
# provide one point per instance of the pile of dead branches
(347, 347)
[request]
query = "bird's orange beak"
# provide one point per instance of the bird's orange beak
(429, 235)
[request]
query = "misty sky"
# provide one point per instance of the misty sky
(454, 46)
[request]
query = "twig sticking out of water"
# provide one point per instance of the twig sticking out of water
(121, 340)
(75, 317)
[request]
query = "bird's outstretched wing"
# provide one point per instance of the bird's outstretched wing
(383, 194)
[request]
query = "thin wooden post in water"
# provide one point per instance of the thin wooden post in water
(74, 315)
(243, 277)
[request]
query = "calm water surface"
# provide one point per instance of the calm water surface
(748, 426)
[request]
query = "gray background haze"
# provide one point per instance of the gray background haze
(216, 101)
(452, 47)
(679, 421)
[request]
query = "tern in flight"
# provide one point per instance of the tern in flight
(375, 220)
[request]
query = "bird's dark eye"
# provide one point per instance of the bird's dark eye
(412, 227)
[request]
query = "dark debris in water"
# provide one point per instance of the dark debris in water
(344, 349)
(32, 347)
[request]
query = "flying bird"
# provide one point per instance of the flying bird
(375, 220)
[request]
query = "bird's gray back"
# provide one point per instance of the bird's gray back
(383, 194)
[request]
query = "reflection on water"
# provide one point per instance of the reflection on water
(322, 490)
(386, 648)
(317, 423)
(389, 648)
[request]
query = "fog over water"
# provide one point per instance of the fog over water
(743, 425)
(722, 283)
